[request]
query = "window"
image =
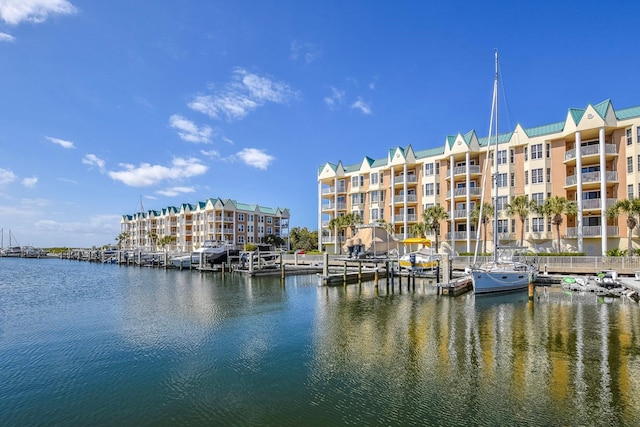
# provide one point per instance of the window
(501, 180)
(241, 240)
(638, 134)
(536, 151)
(269, 220)
(629, 139)
(438, 164)
(251, 218)
(429, 189)
(502, 157)
(250, 228)
(428, 169)
(630, 191)
(548, 150)
(512, 156)
(548, 174)
(526, 155)
(503, 226)
(538, 198)
(513, 179)
(261, 218)
(357, 198)
(437, 189)
(537, 225)
(374, 197)
(629, 164)
(638, 162)
(260, 229)
(241, 228)
(354, 181)
(536, 176)
(526, 177)
(501, 202)
(269, 230)
(240, 217)
(374, 178)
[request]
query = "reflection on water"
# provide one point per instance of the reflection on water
(90, 344)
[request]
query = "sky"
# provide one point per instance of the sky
(110, 107)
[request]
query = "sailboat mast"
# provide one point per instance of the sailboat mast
(495, 169)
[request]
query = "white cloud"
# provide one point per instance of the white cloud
(14, 12)
(61, 142)
(256, 158)
(189, 131)
(307, 51)
(4, 37)
(245, 93)
(68, 180)
(336, 98)
(174, 191)
(30, 182)
(147, 174)
(93, 160)
(362, 106)
(6, 176)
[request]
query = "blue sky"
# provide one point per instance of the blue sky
(104, 104)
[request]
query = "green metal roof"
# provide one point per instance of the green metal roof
(544, 129)
(628, 113)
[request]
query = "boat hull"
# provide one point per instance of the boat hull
(497, 281)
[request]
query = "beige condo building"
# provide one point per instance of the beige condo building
(591, 157)
(193, 224)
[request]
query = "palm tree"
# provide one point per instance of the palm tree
(153, 236)
(483, 217)
(553, 208)
(166, 240)
(631, 209)
(521, 206)
(122, 239)
(431, 217)
(418, 229)
(352, 220)
(336, 224)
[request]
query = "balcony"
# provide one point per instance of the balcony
(410, 218)
(331, 206)
(460, 213)
(462, 170)
(591, 178)
(590, 150)
(460, 235)
(539, 235)
(462, 192)
(411, 198)
(592, 231)
(596, 204)
(400, 179)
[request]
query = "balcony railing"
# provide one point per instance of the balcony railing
(328, 206)
(400, 179)
(411, 198)
(592, 231)
(590, 150)
(460, 213)
(589, 204)
(587, 177)
(462, 170)
(460, 235)
(410, 218)
(458, 192)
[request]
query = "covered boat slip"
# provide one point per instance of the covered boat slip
(371, 241)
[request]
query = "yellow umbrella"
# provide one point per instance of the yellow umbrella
(417, 241)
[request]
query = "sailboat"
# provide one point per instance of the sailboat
(504, 273)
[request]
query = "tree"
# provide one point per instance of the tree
(336, 224)
(483, 217)
(273, 240)
(302, 238)
(522, 207)
(553, 208)
(631, 209)
(352, 220)
(431, 217)
(153, 236)
(122, 239)
(165, 241)
(418, 229)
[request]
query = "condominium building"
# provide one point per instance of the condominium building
(193, 224)
(591, 156)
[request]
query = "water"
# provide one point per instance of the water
(90, 344)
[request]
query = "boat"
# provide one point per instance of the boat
(12, 251)
(421, 259)
(371, 241)
(504, 273)
(259, 259)
(211, 252)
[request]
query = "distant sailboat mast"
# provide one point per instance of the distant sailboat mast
(493, 129)
(495, 169)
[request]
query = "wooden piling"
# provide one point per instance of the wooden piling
(531, 287)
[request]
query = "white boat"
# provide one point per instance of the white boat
(259, 259)
(211, 252)
(12, 251)
(504, 273)
(421, 259)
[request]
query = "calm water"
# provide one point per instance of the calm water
(89, 344)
